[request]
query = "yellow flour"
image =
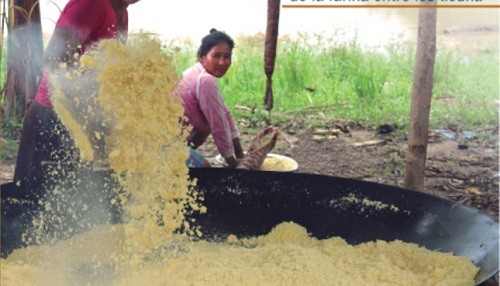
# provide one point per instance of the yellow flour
(285, 256)
(118, 104)
(147, 152)
(77, 132)
(277, 164)
(146, 146)
(363, 204)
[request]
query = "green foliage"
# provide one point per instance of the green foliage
(3, 70)
(466, 89)
(339, 81)
(9, 132)
(345, 81)
(11, 127)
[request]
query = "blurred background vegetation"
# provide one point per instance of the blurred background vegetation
(314, 75)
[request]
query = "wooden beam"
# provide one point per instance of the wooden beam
(423, 82)
(273, 15)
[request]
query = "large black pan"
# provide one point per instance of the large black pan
(248, 203)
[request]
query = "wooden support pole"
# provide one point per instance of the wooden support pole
(273, 15)
(423, 82)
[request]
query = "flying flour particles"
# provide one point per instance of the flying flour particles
(123, 113)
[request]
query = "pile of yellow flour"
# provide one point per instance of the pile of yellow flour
(136, 126)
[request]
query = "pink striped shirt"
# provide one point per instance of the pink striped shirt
(90, 21)
(206, 110)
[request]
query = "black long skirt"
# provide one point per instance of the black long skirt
(46, 149)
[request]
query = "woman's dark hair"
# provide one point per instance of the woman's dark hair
(214, 38)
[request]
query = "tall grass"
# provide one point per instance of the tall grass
(349, 82)
(346, 81)
(343, 81)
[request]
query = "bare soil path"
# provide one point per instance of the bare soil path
(463, 170)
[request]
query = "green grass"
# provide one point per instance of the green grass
(345, 81)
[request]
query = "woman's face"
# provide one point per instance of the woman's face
(218, 60)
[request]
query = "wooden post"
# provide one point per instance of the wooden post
(24, 56)
(423, 82)
(273, 15)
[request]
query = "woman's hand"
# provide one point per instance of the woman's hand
(232, 161)
(238, 151)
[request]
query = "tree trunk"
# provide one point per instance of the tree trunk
(421, 100)
(273, 16)
(24, 56)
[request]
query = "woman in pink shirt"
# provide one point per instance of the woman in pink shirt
(203, 104)
(44, 139)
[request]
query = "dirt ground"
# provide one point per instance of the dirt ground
(462, 169)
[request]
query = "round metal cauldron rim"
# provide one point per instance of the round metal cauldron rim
(250, 203)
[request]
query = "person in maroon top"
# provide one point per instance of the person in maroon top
(44, 140)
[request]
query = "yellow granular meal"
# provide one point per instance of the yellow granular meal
(363, 204)
(147, 152)
(119, 104)
(285, 256)
(277, 164)
(77, 132)
(146, 145)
